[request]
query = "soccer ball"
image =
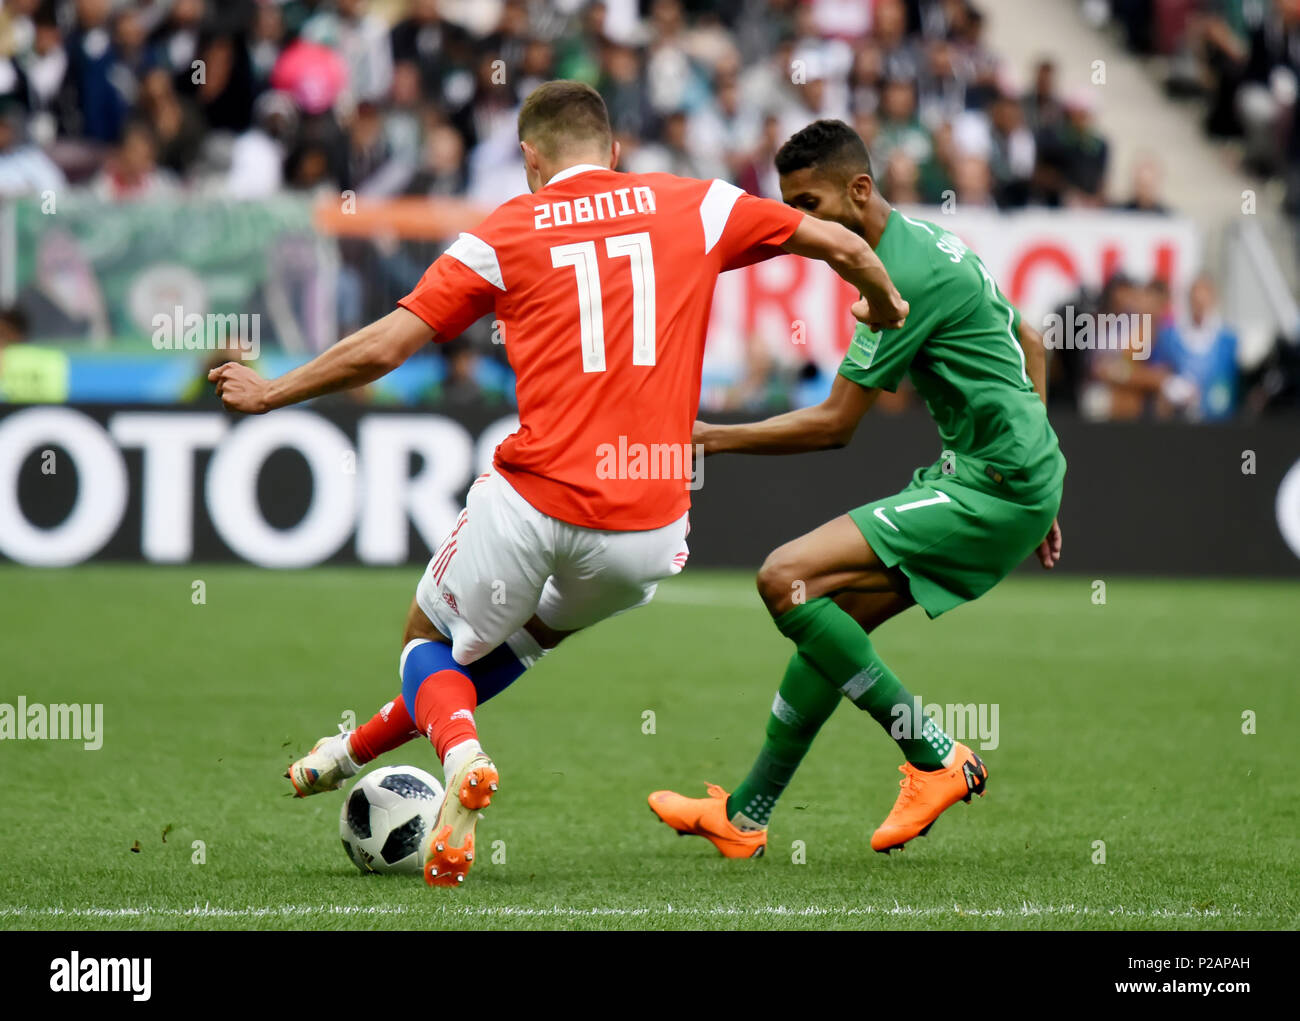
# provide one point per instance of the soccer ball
(386, 817)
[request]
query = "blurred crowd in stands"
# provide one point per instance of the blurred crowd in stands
(252, 98)
(244, 98)
(1240, 59)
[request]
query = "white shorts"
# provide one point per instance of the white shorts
(506, 561)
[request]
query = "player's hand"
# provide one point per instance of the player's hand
(240, 388)
(1049, 550)
(700, 437)
(887, 313)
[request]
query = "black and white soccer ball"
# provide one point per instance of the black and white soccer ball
(386, 817)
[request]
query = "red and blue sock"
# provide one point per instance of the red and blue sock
(445, 711)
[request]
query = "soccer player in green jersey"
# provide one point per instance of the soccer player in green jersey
(954, 531)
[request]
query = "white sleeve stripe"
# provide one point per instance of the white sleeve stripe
(715, 210)
(479, 256)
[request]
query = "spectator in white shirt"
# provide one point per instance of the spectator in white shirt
(24, 168)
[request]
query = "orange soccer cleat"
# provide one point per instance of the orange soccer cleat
(449, 853)
(707, 818)
(923, 797)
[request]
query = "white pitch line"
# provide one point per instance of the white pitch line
(505, 911)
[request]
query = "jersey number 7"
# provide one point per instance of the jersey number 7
(591, 315)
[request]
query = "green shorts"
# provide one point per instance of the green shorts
(956, 535)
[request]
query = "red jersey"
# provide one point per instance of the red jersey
(601, 284)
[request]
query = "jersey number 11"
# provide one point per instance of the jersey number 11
(591, 316)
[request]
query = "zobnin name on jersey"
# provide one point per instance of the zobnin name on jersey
(608, 205)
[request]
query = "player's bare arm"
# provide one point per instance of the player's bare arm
(1031, 342)
(373, 351)
(825, 426)
(882, 307)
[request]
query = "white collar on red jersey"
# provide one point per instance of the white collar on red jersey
(574, 171)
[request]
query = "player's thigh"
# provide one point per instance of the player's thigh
(602, 574)
(418, 625)
(954, 541)
(484, 581)
(833, 557)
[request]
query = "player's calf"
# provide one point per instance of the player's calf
(443, 699)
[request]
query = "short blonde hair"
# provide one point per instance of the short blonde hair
(558, 115)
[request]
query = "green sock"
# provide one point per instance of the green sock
(803, 703)
(838, 647)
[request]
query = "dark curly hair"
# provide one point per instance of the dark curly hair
(828, 146)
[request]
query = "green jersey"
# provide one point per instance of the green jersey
(961, 347)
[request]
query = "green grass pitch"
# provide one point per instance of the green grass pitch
(1120, 723)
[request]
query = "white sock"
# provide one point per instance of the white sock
(349, 764)
(457, 755)
(743, 822)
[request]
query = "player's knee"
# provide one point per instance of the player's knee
(777, 581)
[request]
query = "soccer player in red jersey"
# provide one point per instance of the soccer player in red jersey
(601, 283)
